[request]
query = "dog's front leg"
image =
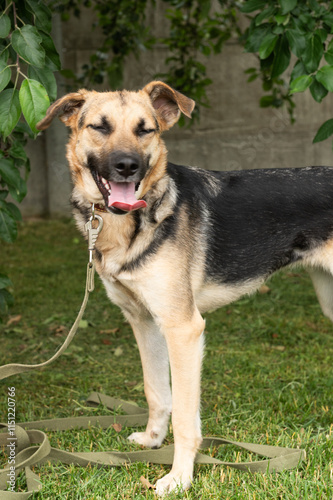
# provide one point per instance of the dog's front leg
(155, 364)
(185, 346)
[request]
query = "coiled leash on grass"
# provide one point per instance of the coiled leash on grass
(32, 446)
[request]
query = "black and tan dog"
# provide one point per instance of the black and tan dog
(178, 241)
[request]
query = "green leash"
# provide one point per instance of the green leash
(33, 447)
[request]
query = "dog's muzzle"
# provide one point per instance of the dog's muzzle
(121, 195)
(118, 179)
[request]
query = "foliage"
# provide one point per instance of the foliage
(280, 30)
(123, 26)
(196, 29)
(28, 59)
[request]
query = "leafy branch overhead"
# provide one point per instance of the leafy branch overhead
(28, 59)
(284, 34)
(195, 30)
(293, 33)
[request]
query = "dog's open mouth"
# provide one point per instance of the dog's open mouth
(119, 195)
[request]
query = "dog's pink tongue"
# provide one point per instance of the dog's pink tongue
(123, 196)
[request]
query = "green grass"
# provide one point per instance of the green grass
(267, 376)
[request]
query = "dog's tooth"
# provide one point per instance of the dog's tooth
(106, 184)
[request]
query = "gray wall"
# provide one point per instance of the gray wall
(235, 133)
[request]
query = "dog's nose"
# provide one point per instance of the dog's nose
(127, 166)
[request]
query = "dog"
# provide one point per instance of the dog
(178, 241)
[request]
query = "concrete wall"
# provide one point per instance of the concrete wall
(235, 133)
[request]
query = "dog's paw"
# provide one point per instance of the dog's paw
(147, 439)
(173, 482)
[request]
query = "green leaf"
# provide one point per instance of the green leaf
(43, 15)
(68, 73)
(46, 77)
(52, 59)
(14, 211)
(325, 77)
(318, 91)
(252, 78)
(5, 75)
(266, 101)
(267, 84)
(322, 34)
(4, 281)
(300, 84)
(287, 5)
(282, 19)
(4, 54)
(328, 19)
(265, 14)
(313, 53)
(325, 131)
(297, 42)
(314, 5)
(9, 172)
(8, 227)
(329, 53)
(252, 5)
(26, 42)
(267, 46)
(281, 57)
(298, 70)
(34, 102)
(256, 37)
(10, 111)
(22, 130)
(6, 300)
(308, 21)
(5, 26)
(17, 151)
(296, 23)
(19, 192)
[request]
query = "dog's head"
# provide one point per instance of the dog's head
(115, 151)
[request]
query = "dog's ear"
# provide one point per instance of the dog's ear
(66, 108)
(168, 103)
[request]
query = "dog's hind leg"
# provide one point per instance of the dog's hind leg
(155, 364)
(323, 285)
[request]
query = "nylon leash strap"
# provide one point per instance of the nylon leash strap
(32, 446)
(16, 368)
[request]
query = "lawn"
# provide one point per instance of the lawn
(267, 376)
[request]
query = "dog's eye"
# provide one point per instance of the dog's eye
(145, 131)
(100, 128)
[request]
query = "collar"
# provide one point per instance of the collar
(100, 208)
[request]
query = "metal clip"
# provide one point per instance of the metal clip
(93, 232)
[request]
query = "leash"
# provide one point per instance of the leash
(32, 447)
(16, 368)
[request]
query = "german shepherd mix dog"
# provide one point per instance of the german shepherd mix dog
(178, 241)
